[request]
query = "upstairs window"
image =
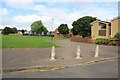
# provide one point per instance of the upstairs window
(102, 26)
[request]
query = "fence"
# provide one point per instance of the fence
(90, 40)
(79, 39)
(114, 42)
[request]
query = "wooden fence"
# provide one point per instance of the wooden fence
(79, 39)
(90, 40)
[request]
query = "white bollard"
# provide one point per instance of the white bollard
(53, 53)
(97, 51)
(78, 53)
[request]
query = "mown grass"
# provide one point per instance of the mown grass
(10, 41)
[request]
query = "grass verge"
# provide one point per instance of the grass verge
(10, 41)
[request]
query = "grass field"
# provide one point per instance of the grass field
(27, 41)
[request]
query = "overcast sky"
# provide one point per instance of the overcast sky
(22, 14)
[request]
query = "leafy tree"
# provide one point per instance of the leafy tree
(45, 31)
(38, 28)
(63, 29)
(117, 35)
(7, 31)
(82, 26)
(50, 33)
(14, 30)
(76, 29)
(23, 31)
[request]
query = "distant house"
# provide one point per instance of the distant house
(104, 29)
(19, 32)
(1, 31)
(25, 33)
(57, 33)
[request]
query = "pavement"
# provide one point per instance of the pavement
(101, 70)
(65, 55)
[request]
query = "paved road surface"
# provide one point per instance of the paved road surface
(17, 58)
(101, 70)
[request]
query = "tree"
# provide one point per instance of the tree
(7, 31)
(14, 30)
(23, 31)
(63, 29)
(38, 28)
(117, 36)
(45, 31)
(82, 26)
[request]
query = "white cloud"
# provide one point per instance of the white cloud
(26, 21)
(102, 12)
(74, 16)
(62, 16)
(19, 3)
(76, 0)
(47, 11)
(46, 14)
(3, 26)
(4, 21)
(69, 0)
(29, 18)
(3, 11)
(59, 15)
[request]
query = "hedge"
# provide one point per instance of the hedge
(101, 41)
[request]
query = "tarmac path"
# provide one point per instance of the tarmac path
(65, 55)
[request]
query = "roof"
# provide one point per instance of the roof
(1, 29)
(104, 22)
(115, 18)
(100, 21)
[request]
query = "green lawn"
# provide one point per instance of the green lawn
(27, 41)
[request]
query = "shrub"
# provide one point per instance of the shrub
(113, 41)
(117, 35)
(113, 38)
(110, 43)
(101, 41)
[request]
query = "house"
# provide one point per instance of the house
(104, 29)
(19, 32)
(57, 34)
(115, 26)
(100, 29)
(1, 31)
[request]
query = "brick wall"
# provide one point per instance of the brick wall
(79, 39)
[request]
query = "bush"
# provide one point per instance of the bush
(117, 35)
(101, 41)
(113, 38)
(113, 41)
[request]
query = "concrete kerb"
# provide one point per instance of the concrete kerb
(48, 67)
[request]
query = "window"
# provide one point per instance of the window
(102, 26)
(102, 32)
